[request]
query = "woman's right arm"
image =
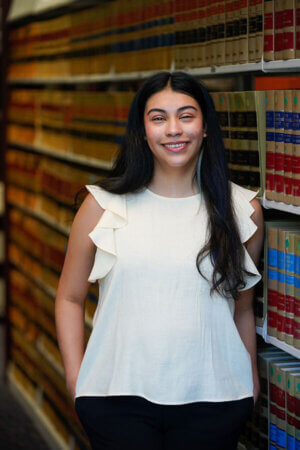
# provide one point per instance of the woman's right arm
(73, 288)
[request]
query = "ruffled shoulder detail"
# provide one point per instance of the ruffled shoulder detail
(103, 235)
(241, 198)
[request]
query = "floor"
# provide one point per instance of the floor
(17, 430)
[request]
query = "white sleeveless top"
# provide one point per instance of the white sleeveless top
(157, 331)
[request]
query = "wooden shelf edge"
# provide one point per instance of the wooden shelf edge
(270, 204)
(65, 156)
(48, 289)
(47, 220)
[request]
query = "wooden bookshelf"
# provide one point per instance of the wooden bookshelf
(65, 156)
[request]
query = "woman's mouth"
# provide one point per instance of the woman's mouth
(176, 146)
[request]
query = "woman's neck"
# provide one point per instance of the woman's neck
(173, 186)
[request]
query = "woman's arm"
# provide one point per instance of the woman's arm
(73, 288)
(244, 314)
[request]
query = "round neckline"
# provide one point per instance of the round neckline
(171, 198)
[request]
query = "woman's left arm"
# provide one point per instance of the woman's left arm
(244, 314)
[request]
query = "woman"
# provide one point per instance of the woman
(171, 361)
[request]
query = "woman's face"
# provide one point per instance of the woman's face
(174, 128)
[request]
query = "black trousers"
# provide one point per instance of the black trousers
(132, 422)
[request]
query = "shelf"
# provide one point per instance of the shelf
(46, 219)
(90, 162)
(262, 66)
(21, 9)
(270, 204)
(86, 79)
(277, 343)
(289, 65)
(48, 289)
(52, 361)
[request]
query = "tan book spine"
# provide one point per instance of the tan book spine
(228, 31)
(221, 34)
(259, 31)
(243, 28)
(252, 31)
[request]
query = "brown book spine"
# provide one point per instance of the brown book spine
(243, 26)
(259, 30)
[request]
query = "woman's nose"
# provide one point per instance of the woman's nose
(173, 127)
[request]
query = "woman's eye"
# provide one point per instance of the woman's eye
(158, 119)
(186, 117)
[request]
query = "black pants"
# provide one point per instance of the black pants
(132, 422)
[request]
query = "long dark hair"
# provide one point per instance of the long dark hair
(133, 170)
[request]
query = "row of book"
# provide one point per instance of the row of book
(89, 123)
(142, 35)
(283, 281)
(35, 362)
(276, 420)
(44, 184)
(136, 35)
(239, 115)
(282, 146)
(261, 131)
(272, 135)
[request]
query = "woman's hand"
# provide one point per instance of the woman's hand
(71, 385)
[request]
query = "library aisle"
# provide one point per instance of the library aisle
(17, 429)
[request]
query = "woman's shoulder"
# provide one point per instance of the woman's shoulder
(101, 196)
(114, 205)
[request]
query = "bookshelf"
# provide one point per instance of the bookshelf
(70, 66)
(51, 152)
(278, 343)
(267, 67)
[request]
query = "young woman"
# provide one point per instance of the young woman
(171, 362)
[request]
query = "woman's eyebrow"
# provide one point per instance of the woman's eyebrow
(179, 109)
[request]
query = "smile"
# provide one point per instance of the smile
(176, 147)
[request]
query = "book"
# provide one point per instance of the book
(268, 52)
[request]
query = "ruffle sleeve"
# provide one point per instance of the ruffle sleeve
(103, 235)
(243, 212)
